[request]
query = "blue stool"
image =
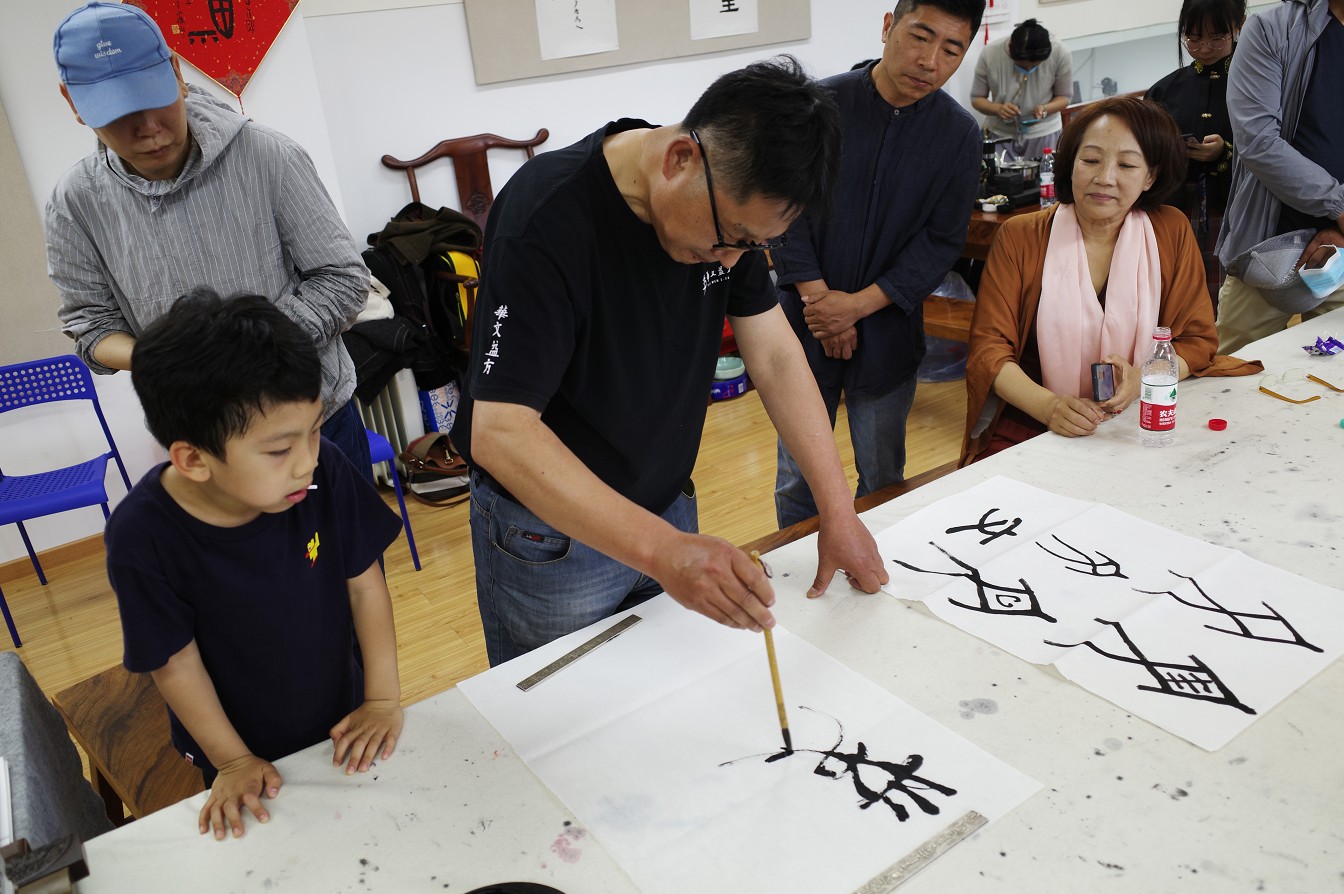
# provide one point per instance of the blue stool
(380, 451)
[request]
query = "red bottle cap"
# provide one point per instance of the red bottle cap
(1217, 424)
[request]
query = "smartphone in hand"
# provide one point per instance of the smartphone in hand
(1103, 382)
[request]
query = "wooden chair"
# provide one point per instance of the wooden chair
(469, 166)
(472, 171)
(121, 722)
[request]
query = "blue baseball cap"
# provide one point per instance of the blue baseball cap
(113, 61)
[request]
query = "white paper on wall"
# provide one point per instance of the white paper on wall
(576, 27)
(1198, 639)
(658, 742)
(721, 18)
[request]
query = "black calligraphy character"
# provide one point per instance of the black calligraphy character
(729, 6)
(986, 527)
(1238, 618)
(1007, 601)
(885, 780)
(221, 15)
(1195, 680)
(1107, 568)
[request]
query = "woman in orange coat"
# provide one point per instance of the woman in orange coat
(1086, 281)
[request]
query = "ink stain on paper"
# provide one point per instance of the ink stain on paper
(874, 781)
(1175, 793)
(563, 846)
(973, 706)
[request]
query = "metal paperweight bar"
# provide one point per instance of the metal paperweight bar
(578, 652)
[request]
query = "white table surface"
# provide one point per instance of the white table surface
(1125, 806)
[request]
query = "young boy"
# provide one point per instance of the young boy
(246, 566)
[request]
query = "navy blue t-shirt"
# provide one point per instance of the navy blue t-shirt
(267, 602)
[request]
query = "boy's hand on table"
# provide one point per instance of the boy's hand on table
(372, 726)
(242, 782)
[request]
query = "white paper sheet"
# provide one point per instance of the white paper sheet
(576, 27)
(633, 737)
(1040, 575)
(720, 18)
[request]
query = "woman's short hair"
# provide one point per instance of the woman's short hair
(1029, 42)
(1154, 129)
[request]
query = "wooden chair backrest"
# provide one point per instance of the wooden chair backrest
(469, 167)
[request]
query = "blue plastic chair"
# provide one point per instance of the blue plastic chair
(23, 497)
(380, 451)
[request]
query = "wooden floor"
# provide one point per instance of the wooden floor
(70, 627)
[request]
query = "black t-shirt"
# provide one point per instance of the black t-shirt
(584, 317)
(267, 602)
(1320, 129)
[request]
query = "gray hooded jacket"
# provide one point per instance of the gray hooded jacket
(1265, 90)
(247, 214)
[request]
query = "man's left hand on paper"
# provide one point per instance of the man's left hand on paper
(844, 543)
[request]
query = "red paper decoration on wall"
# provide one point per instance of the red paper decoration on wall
(225, 39)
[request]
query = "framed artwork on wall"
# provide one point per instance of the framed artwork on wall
(516, 39)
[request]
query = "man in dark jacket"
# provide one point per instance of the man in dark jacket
(853, 283)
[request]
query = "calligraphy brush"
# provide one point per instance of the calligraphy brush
(774, 670)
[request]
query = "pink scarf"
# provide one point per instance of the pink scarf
(1072, 330)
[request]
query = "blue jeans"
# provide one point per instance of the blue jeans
(877, 431)
(346, 430)
(534, 584)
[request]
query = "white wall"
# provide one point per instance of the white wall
(413, 86)
(354, 86)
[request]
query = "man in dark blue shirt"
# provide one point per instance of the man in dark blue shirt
(853, 283)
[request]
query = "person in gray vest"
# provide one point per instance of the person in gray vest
(182, 191)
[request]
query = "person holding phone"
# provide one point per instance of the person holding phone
(1087, 280)
(1196, 96)
(1031, 82)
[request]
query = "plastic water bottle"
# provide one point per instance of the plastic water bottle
(1047, 174)
(1157, 398)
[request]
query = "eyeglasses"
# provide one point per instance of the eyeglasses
(721, 245)
(1213, 43)
(1290, 385)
